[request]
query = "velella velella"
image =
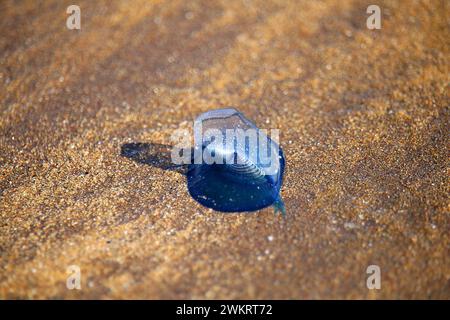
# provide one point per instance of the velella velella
(236, 166)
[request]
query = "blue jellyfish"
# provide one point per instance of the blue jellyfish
(236, 166)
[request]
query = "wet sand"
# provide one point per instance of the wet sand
(364, 123)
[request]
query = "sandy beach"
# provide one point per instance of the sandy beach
(364, 123)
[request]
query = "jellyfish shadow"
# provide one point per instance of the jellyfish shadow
(154, 154)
